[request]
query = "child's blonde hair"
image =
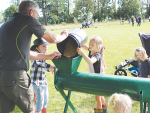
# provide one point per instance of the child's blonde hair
(99, 43)
(118, 103)
(143, 51)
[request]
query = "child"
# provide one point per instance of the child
(136, 20)
(143, 62)
(119, 103)
(132, 20)
(38, 77)
(96, 64)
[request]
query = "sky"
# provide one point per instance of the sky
(4, 4)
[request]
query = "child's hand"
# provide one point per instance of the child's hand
(52, 70)
(79, 50)
(85, 46)
(148, 76)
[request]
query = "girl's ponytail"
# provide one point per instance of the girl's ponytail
(102, 54)
(102, 51)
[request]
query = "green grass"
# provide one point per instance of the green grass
(119, 41)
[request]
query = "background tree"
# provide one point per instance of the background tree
(101, 9)
(1, 16)
(57, 11)
(43, 6)
(15, 2)
(148, 12)
(110, 12)
(8, 13)
(127, 8)
(82, 9)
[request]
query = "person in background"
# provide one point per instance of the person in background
(129, 20)
(143, 18)
(139, 21)
(89, 23)
(96, 64)
(83, 24)
(122, 21)
(119, 103)
(92, 23)
(132, 20)
(86, 23)
(136, 20)
(15, 39)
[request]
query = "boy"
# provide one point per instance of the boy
(38, 77)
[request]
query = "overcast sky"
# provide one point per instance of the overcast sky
(4, 4)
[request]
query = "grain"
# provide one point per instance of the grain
(70, 48)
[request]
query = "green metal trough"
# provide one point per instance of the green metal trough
(67, 78)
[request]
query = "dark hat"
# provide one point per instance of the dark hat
(38, 42)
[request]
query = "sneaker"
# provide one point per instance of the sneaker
(96, 110)
(105, 108)
(105, 105)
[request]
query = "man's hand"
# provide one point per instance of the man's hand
(64, 32)
(41, 56)
(55, 55)
(54, 38)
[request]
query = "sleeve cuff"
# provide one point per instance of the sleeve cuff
(45, 31)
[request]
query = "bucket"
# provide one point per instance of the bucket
(76, 38)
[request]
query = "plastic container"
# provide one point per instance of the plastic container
(76, 38)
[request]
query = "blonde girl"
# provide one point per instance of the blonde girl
(96, 64)
(143, 62)
(119, 103)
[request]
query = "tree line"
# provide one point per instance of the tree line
(69, 11)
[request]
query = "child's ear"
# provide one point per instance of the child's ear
(37, 48)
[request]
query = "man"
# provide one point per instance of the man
(83, 24)
(139, 21)
(15, 38)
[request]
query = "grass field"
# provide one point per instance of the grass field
(119, 41)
